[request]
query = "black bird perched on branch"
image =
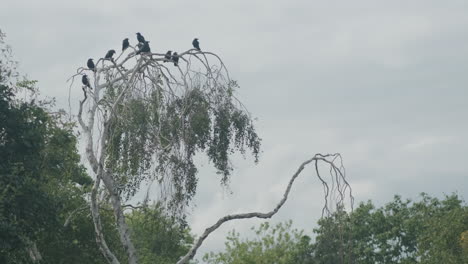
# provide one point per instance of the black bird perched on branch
(144, 48)
(109, 55)
(85, 81)
(91, 65)
(167, 57)
(175, 58)
(140, 38)
(125, 44)
(196, 44)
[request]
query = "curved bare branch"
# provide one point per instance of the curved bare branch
(318, 157)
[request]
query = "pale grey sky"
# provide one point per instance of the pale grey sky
(385, 83)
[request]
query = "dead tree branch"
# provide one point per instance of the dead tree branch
(318, 157)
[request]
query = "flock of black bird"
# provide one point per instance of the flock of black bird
(143, 47)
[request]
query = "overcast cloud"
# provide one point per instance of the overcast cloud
(382, 82)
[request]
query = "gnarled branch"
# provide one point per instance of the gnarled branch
(328, 158)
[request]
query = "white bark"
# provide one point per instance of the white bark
(87, 130)
(98, 167)
(34, 253)
(111, 258)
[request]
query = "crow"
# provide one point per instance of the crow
(140, 38)
(167, 57)
(85, 81)
(91, 65)
(125, 44)
(109, 55)
(196, 44)
(175, 58)
(144, 48)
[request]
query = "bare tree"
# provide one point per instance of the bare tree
(144, 117)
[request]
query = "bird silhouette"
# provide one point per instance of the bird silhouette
(91, 65)
(140, 38)
(85, 81)
(167, 57)
(175, 58)
(196, 44)
(109, 55)
(125, 44)
(144, 48)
